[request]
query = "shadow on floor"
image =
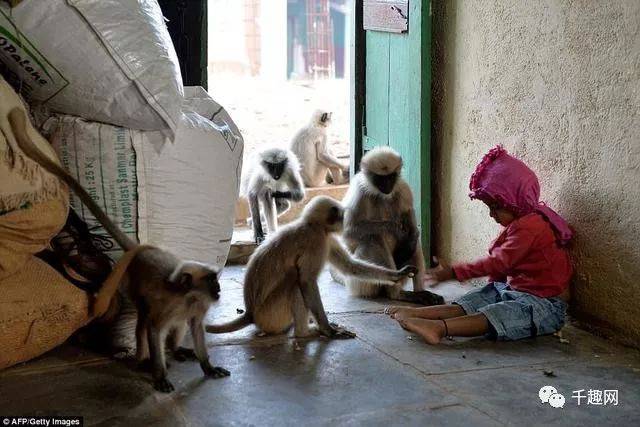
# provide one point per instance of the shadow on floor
(383, 377)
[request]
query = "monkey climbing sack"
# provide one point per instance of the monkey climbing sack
(104, 60)
(187, 190)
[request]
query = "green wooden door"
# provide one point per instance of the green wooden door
(397, 110)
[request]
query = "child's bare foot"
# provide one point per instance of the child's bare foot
(399, 312)
(431, 330)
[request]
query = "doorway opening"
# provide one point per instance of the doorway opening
(272, 63)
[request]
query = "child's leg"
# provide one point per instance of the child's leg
(444, 311)
(467, 304)
(434, 330)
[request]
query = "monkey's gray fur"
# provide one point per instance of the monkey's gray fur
(280, 286)
(380, 227)
(272, 179)
(168, 293)
(316, 161)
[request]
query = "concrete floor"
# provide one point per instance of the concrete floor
(383, 377)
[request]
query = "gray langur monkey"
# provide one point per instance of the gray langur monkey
(316, 161)
(280, 286)
(272, 180)
(380, 227)
(168, 293)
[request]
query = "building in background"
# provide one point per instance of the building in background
(279, 39)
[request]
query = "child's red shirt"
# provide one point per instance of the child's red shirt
(526, 256)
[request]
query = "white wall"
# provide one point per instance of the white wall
(558, 83)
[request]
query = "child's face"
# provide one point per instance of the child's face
(501, 215)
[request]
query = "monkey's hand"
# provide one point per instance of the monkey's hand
(294, 195)
(408, 271)
(337, 332)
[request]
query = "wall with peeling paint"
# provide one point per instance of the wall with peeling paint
(558, 84)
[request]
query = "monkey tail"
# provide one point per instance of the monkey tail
(235, 325)
(102, 301)
(17, 120)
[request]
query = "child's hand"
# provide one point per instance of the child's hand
(440, 273)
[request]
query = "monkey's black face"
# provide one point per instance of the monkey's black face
(210, 281)
(384, 183)
(275, 169)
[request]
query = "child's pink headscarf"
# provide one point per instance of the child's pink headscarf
(503, 179)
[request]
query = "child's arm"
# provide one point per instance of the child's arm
(501, 259)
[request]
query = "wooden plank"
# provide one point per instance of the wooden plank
(334, 191)
(386, 15)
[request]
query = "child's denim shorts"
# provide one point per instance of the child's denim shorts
(514, 315)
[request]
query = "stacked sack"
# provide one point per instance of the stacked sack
(40, 309)
(110, 61)
(178, 195)
(164, 161)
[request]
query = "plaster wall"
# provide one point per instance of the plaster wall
(558, 84)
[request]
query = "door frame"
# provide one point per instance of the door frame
(423, 201)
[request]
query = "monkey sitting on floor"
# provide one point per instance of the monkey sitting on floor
(318, 165)
(168, 293)
(280, 286)
(380, 227)
(272, 180)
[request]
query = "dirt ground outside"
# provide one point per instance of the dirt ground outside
(270, 112)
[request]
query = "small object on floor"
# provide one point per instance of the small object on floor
(548, 373)
(261, 334)
(239, 310)
(409, 337)
(464, 356)
(296, 346)
(252, 358)
(564, 341)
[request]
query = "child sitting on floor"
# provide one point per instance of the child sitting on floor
(528, 265)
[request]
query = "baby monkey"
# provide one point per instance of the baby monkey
(168, 293)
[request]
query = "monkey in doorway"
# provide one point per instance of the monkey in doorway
(280, 286)
(318, 165)
(273, 181)
(169, 293)
(380, 227)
